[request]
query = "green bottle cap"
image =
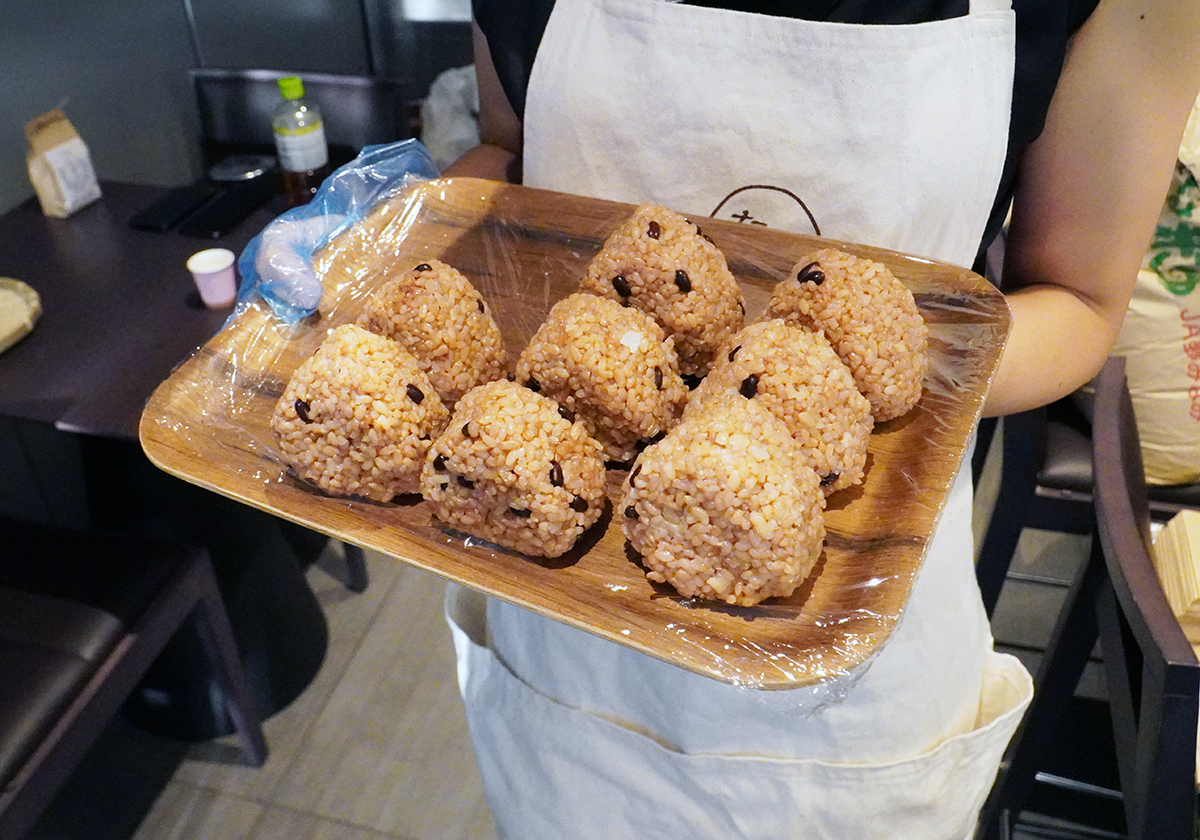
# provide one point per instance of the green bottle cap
(291, 87)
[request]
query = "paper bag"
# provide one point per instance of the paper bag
(60, 167)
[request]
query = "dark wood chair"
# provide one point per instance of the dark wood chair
(82, 617)
(1045, 472)
(309, 545)
(1152, 675)
(357, 577)
(1046, 483)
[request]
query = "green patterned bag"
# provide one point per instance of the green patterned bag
(1172, 253)
(1160, 339)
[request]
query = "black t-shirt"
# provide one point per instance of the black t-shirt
(514, 30)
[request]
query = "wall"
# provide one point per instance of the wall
(119, 68)
(317, 36)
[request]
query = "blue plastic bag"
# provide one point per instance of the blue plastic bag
(277, 263)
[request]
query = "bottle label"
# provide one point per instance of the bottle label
(302, 150)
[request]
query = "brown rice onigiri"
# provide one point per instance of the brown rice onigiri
(869, 317)
(725, 507)
(794, 373)
(612, 366)
(661, 263)
(515, 469)
(357, 417)
(440, 317)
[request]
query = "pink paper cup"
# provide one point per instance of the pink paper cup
(215, 276)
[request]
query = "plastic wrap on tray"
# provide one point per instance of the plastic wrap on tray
(277, 265)
(524, 250)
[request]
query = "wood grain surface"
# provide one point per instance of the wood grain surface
(524, 249)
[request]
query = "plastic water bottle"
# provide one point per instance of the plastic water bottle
(300, 142)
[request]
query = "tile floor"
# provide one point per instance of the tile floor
(377, 746)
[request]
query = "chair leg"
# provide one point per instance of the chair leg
(1022, 455)
(1067, 654)
(216, 634)
(983, 445)
(356, 568)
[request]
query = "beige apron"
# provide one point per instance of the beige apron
(891, 135)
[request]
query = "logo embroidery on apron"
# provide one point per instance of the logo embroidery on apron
(763, 204)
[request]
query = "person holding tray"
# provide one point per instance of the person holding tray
(913, 126)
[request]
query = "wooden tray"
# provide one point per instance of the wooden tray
(525, 249)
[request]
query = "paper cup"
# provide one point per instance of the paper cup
(215, 276)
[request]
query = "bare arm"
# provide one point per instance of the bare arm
(498, 155)
(1089, 192)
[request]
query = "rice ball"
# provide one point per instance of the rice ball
(659, 262)
(357, 417)
(435, 312)
(869, 317)
(514, 468)
(794, 373)
(612, 366)
(725, 507)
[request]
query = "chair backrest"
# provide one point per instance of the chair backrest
(1046, 484)
(235, 108)
(1153, 677)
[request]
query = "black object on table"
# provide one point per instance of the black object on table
(234, 201)
(216, 204)
(169, 210)
(119, 312)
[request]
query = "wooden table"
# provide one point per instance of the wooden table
(119, 310)
(119, 313)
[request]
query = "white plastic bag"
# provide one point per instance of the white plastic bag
(450, 115)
